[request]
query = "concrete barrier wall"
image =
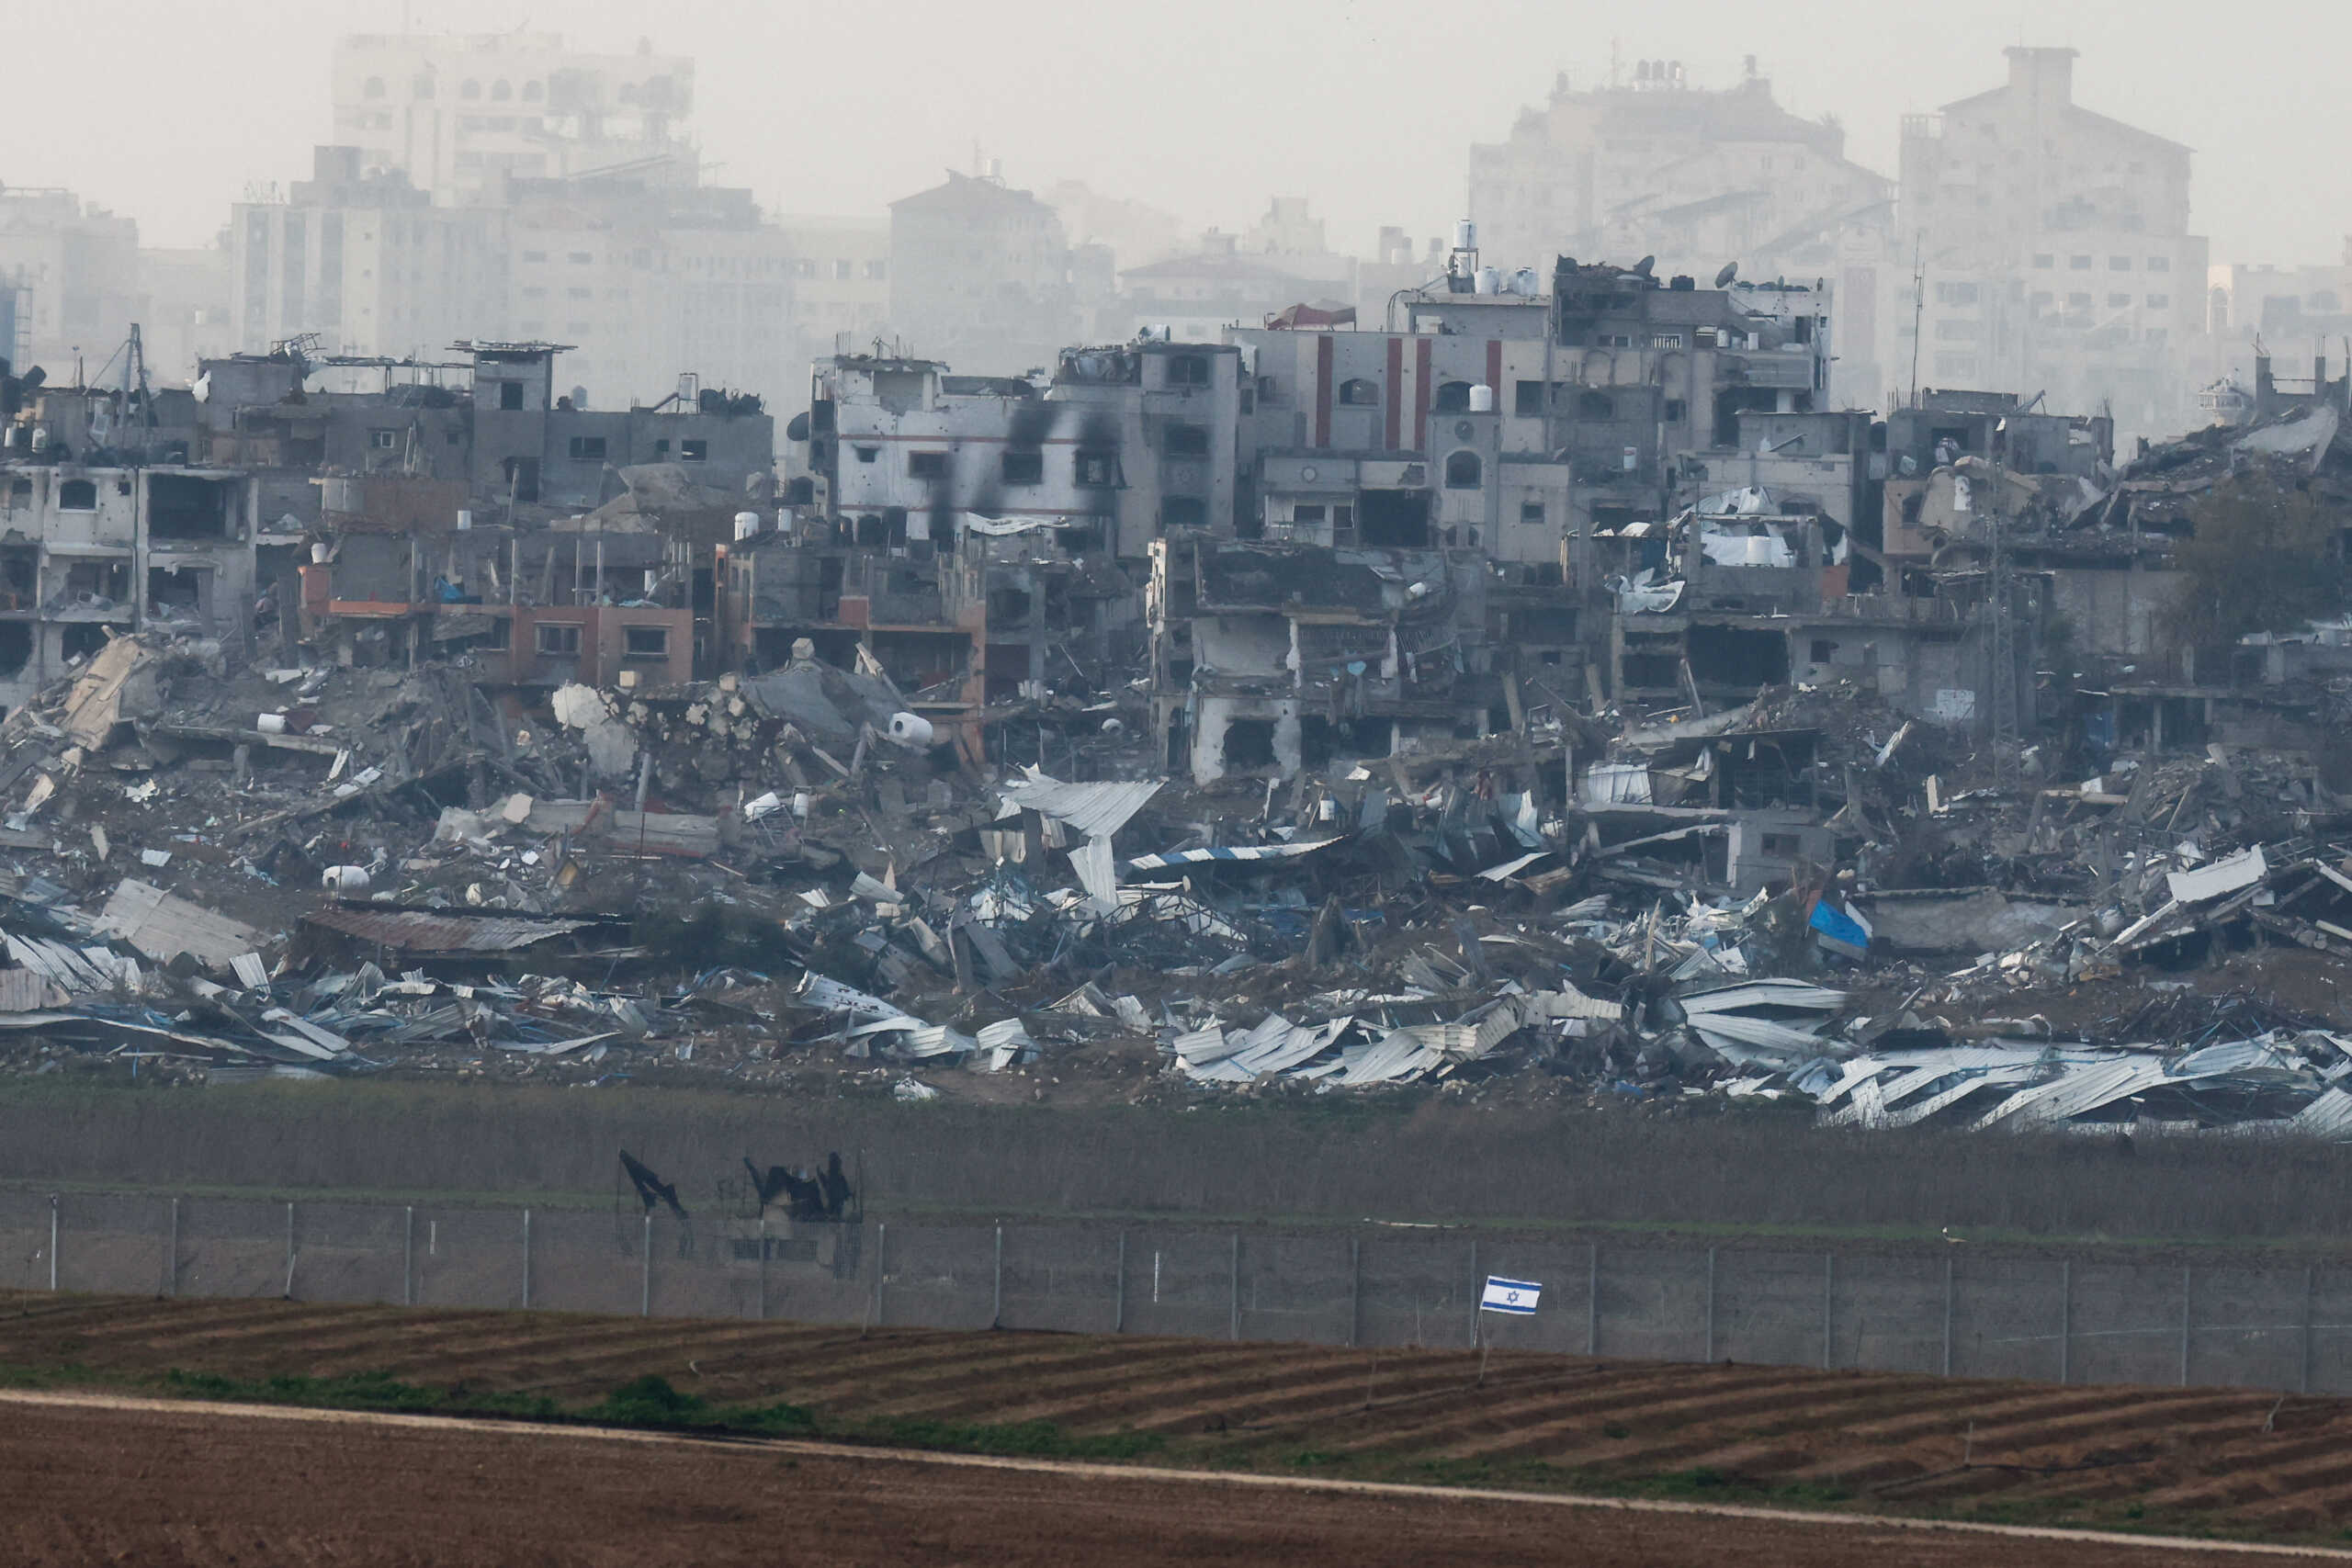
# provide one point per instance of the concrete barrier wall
(1957, 1310)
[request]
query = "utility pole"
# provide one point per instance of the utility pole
(1999, 622)
(1918, 308)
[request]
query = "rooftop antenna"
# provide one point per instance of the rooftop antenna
(1918, 307)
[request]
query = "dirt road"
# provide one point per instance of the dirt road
(100, 1478)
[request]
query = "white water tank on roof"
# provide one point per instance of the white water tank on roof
(746, 525)
(1465, 235)
(1490, 280)
(1482, 398)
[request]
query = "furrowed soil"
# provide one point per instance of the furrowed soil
(206, 1489)
(2191, 1461)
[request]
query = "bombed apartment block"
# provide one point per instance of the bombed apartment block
(1268, 659)
(538, 608)
(534, 444)
(88, 552)
(805, 593)
(1118, 445)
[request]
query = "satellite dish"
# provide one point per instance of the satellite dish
(1642, 268)
(1730, 271)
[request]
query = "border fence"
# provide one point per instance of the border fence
(1960, 1310)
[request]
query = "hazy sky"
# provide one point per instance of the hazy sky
(166, 108)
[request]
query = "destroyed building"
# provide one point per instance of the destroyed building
(1268, 659)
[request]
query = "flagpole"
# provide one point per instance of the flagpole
(1483, 1344)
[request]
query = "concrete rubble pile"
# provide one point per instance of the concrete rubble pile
(1810, 902)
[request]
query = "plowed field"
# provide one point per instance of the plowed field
(2194, 1460)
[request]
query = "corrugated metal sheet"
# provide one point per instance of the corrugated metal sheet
(1232, 852)
(417, 930)
(1615, 784)
(162, 926)
(1097, 810)
(2224, 875)
(2329, 1116)
(1764, 993)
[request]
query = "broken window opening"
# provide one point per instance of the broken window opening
(510, 395)
(1098, 470)
(1527, 400)
(1186, 441)
(926, 465)
(1249, 743)
(1183, 511)
(1453, 397)
(78, 495)
(1596, 405)
(1358, 392)
(16, 646)
(81, 639)
(694, 451)
(1394, 519)
(1733, 656)
(1465, 471)
(587, 449)
(1188, 370)
(1024, 468)
(645, 642)
(179, 507)
(558, 639)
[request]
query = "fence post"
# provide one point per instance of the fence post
(527, 1260)
(645, 1270)
(1829, 1307)
(763, 1263)
(171, 1258)
(2065, 1320)
(1119, 1290)
(1355, 1290)
(881, 1245)
(996, 1299)
(2305, 1384)
(1234, 1328)
(2184, 1325)
(289, 1250)
(1947, 1315)
(1592, 1298)
(408, 1256)
(54, 1227)
(1711, 1307)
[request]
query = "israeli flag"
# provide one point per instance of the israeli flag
(1515, 1296)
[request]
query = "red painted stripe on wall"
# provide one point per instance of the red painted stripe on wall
(1494, 369)
(1420, 394)
(1396, 394)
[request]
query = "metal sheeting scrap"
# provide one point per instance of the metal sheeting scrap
(1227, 852)
(1097, 810)
(419, 930)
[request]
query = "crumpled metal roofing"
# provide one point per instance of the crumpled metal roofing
(419, 930)
(1232, 852)
(1097, 810)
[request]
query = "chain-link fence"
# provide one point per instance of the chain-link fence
(1959, 1311)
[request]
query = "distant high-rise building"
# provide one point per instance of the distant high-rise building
(980, 276)
(2053, 252)
(72, 270)
(366, 262)
(457, 114)
(1697, 177)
